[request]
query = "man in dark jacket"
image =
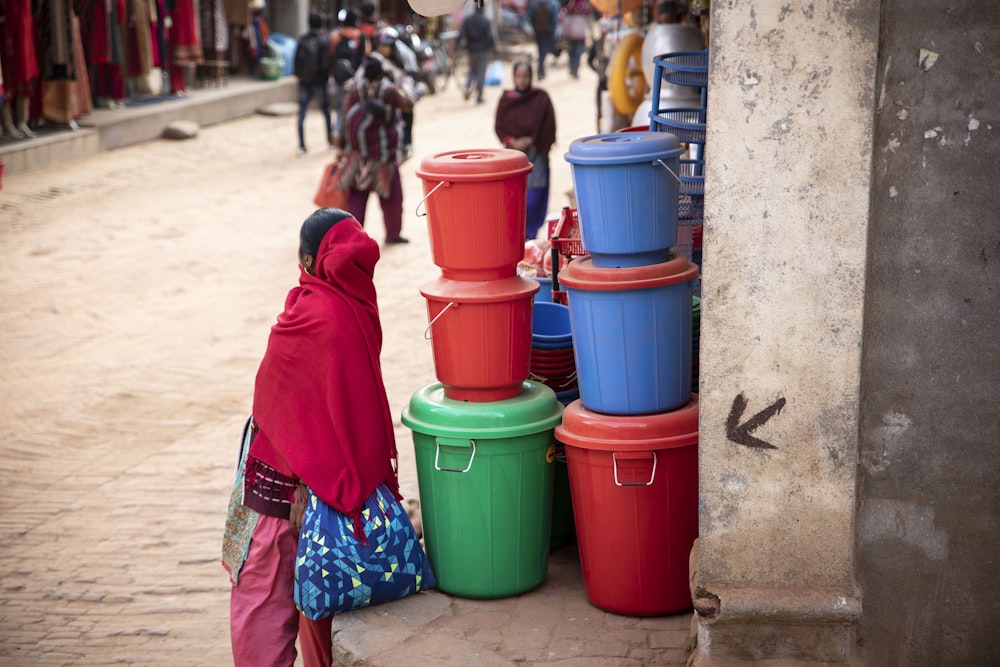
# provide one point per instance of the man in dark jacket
(476, 35)
(312, 68)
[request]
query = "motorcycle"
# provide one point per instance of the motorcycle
(428, 69)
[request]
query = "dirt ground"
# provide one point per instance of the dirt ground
(137, 288)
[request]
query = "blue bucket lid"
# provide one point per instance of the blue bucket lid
(623, 148)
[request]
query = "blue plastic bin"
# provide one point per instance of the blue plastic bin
(283, 47)
(550, 326)
(545, 289)
(632, 335)
(626, 186)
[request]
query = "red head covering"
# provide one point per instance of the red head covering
(319, 397)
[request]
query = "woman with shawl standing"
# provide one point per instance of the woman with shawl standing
(526, 121)
(320, 418)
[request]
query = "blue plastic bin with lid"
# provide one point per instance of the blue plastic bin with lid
(632, 333)
(626, 186)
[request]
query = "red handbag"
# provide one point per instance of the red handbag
(329, 195)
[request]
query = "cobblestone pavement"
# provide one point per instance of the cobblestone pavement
(136, 290)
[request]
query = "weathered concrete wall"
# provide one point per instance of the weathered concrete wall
(928, 526)
(791, 105)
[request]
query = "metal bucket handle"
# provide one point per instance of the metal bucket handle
(664, 165)
(541, 378)
(427, 331)
(437, 456)
(652, 475)
(417, 209)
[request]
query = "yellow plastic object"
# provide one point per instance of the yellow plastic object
(626, 82)
(611, 6)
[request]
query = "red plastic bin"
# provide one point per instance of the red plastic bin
(634, 484)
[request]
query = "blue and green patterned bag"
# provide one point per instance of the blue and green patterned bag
(334, 572)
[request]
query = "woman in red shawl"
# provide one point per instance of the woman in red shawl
(526, 121)
(320, 417)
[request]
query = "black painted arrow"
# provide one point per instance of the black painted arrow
(740, 433)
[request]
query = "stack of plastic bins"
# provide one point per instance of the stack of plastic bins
(689, 69)
(553, 364)
(483, 433)
(630, 438)
(552, 361)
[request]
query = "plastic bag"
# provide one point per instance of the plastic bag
(494, 74)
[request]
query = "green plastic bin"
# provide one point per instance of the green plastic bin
(485, 472)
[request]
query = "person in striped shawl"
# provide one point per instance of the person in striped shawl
(372, 138)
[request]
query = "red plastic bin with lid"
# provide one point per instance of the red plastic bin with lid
(634, 484)
(480, 336)
(476, 202)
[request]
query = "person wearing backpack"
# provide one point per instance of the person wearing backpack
(544, 18)
(312, 69)
(477, 36)
(348, 48)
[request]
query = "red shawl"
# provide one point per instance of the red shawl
(319, 396)
(527, 114)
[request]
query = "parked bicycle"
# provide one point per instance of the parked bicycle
(452, 62)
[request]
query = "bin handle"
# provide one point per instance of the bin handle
(437, 456)
(541, 378)
(664, 165)
(428, 329)
(417, 209)
(652, 475)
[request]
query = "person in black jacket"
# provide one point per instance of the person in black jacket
(312, 69)
(476, 35)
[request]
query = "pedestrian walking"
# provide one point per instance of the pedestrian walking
(348, 48)
(312, 69)
(577, 28)
(544, 20)
(320, 418)
(477, 37)
(373, 129)
(526, 121)
(400, 66)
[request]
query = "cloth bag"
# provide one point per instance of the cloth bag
(329, 194)
(337, 572)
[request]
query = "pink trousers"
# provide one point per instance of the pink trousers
(263, 620)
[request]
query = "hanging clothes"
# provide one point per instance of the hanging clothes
(183, 39)
(184, 43)
(19, 58)
(65, 93)
(221, 29)
(83, 103)
(138, 32)
(102, 44)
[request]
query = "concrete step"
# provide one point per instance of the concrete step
(141, 120)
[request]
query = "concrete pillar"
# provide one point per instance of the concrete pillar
(788, 172)
(290, 18)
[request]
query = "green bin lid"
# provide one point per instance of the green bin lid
(534, 410)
